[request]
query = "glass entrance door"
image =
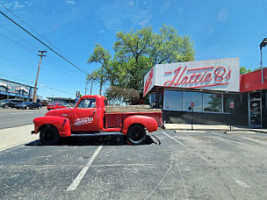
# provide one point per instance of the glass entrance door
(255, 113)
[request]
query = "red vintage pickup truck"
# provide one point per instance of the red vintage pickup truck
(93, 115)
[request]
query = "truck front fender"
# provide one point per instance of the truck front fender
(62, 124)
(148, 122)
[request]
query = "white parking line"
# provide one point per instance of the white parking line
(195, 152)
(241, 183)
(80, 176)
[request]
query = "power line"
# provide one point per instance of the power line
(27, 82)
(13, 41)
(27, 25)
(18, 79)
(42, 42)
(57, 90)
(22, 39)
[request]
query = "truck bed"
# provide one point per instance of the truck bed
(115, 115)
(131, 109)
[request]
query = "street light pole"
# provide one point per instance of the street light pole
(36, 81)
(262, 44)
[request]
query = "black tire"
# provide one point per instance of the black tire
(136, 134)
(49, 135)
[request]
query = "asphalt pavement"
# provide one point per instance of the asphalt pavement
(12, 117)
(171, 165)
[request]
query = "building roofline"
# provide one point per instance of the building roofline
(16, 82)
(60, 98)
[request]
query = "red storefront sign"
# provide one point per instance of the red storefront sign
(199, 77)
(148, 82)
(252, 81)
(217, 74)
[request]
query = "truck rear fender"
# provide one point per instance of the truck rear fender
(148, 122)
(62, 124)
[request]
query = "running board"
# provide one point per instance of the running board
(98, 134)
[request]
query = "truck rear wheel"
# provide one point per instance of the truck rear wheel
(136, 134)
(49, 135)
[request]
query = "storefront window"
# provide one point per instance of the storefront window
(203, 102)
(227, 98)
(212, 102)
(153, 100)
(173, 100)
(195, 97)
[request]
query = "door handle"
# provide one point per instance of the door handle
(93, 113)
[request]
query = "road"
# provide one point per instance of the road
(13, 117)
(185, 165)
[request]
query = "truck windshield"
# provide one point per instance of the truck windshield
(87, 103)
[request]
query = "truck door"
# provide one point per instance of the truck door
(83, 117)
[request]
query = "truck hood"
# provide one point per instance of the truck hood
(64, 112)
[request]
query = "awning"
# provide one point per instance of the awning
(22, 89)
(5, 85)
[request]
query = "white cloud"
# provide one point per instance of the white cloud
(222, 15)
(131, 3)
(101, 31)
(210, 30)
(70, 2)
(180, 11)
(118, 16)
(165, 7)
(18, 5)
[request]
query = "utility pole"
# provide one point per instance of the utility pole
(36, 81)
(86, 84)
(91, 90)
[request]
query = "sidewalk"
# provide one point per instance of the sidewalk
(201, 127)
(11, 137)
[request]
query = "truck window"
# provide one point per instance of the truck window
(105, 102)
(87, 103)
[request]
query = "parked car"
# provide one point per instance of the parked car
(9, 103)
(55, 106)
(28, 105)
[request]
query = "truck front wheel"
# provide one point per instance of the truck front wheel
(49, 135)
(136, 134)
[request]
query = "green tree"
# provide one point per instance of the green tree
(101, 56)
(168, 47)
(137, 51)
(120, 95)
(244, 70)
(131, 60)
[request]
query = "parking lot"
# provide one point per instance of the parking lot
(12, 117)
(171, 165)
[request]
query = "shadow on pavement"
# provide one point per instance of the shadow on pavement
(94, 141)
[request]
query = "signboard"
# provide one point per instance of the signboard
(232, 104)
(252, 81)
(192, 104)
(149, 81)
(217, 74)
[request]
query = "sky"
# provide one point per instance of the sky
(218, 29)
